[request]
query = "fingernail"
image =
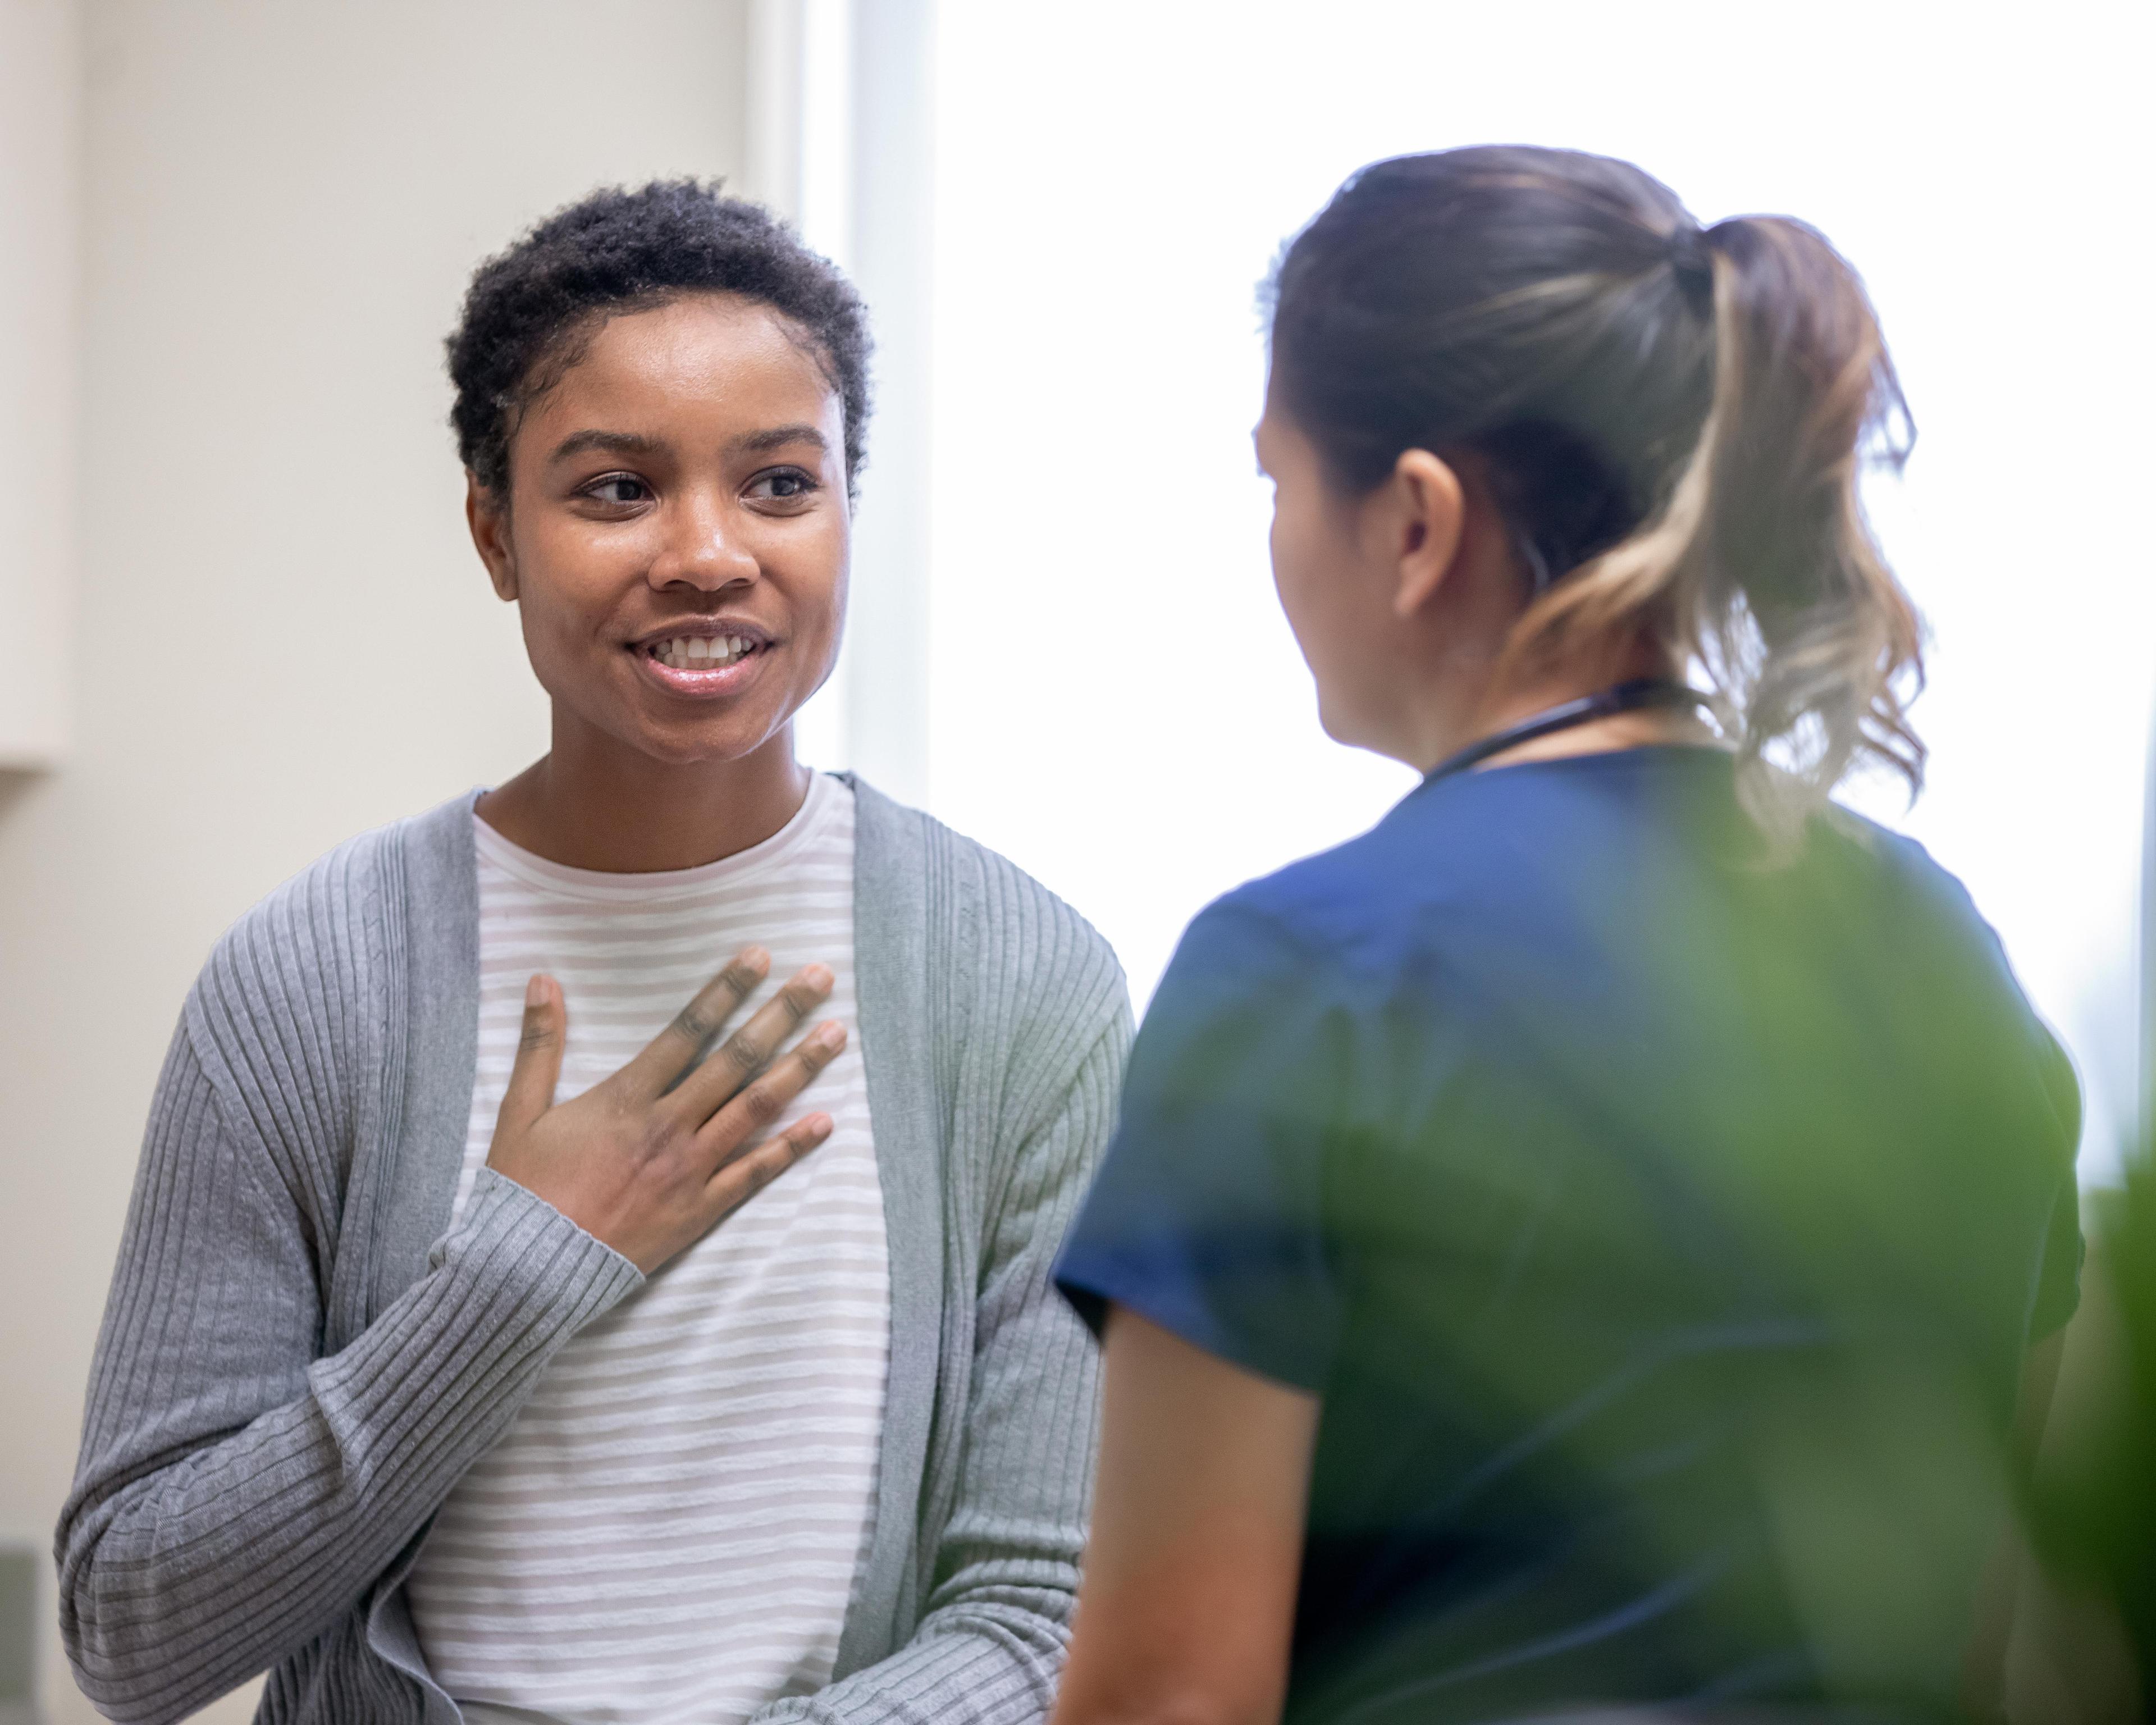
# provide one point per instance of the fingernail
(832, 1036)
(535, 992)
(817, 976)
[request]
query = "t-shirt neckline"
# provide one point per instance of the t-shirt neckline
(803, 830)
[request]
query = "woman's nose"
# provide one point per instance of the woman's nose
(703, 551)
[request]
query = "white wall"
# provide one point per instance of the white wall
(1118, 706)
(285, 637)
(841, 140)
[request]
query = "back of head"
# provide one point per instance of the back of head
(1673, 421)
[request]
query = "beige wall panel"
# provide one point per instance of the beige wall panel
(40, 203)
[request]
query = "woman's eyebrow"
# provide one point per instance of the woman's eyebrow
(757, 442)
(617, 443)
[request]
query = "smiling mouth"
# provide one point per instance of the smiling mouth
(702, 652)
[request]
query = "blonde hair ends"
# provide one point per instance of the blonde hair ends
(1760, 569)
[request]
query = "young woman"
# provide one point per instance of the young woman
(458, 1362)
(1575, 1246)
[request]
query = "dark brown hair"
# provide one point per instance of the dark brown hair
(1674, 420)
(530, 309)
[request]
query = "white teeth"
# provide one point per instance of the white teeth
(700, 652)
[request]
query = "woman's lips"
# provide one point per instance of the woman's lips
(701, 682)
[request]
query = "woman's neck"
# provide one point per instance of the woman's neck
(593, 802)
(1499, 706)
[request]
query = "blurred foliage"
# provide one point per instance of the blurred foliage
(2084, 1644)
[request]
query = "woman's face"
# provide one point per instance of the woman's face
(1336, 601)
(677, 532)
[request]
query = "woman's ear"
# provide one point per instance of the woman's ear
(1429, 512)
(488, 518)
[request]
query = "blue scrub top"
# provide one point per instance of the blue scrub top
(1664, 1228)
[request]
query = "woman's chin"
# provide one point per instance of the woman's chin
(703, 717)
(708, 744)
(1343, 726)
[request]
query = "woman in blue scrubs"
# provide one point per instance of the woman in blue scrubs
(1579, 1245)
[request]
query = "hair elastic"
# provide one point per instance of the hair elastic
(1691, 256)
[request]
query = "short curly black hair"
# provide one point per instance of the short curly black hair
(530, 309)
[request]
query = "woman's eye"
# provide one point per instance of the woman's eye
(789, 485)
(618, 487)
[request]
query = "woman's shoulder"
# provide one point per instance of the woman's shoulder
(360, 878)
(981, 915)
(1860, 866)
(311, 955)
(1329, 912)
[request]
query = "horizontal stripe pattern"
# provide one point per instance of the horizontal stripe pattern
(671, 1528)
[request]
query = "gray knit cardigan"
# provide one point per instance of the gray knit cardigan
(299, 1358)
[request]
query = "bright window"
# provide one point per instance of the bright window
(1114, 701)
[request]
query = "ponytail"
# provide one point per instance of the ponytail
(1674, 423)
(1761, 569)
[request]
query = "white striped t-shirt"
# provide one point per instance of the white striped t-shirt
(671, 1528)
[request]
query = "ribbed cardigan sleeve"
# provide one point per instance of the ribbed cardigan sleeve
(989, 1648)
(238, 1493)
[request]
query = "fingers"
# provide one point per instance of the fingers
(748, 1173)
(660, 1060)
(732, 1131)
(538, 1065)
(737, 1060)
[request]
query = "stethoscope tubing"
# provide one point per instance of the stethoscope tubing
(1623, 698)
